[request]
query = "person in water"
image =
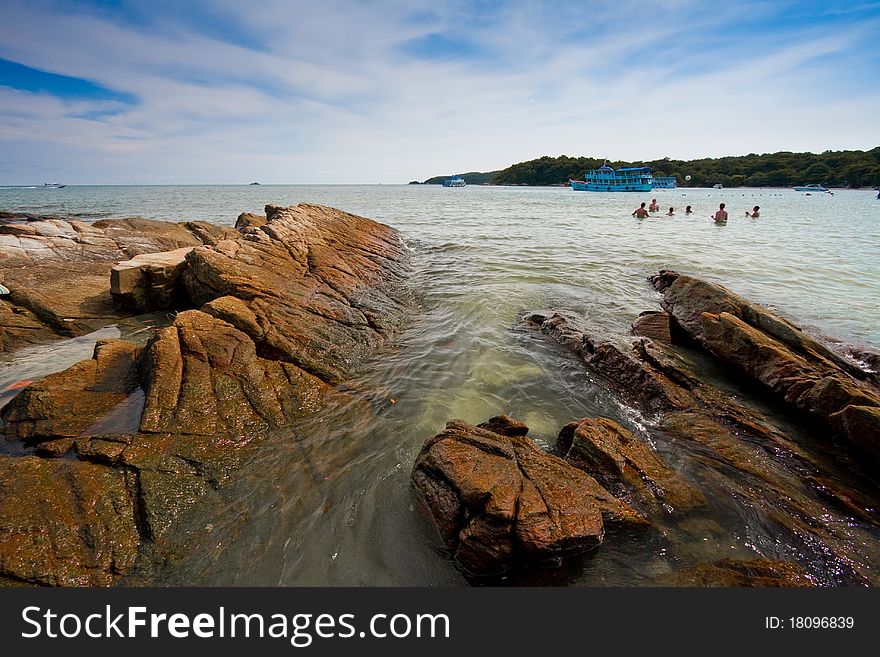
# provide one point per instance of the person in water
(688, 210)
(640, 212)
(671, 212)
(653, 207)
(755, 213)
(720, 216)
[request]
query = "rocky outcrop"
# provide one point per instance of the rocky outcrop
(497, 500)
(735, 448)
(768, 349)
(653, 324)
(147, 434)
(58, 271)
(314, 286)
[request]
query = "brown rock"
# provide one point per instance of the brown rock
(732, 572)
(625, 465)
(67, 403)
(654, 325)
(320, 284)
(246, 220)
(64, 522)
(498, 500)
(150, 281)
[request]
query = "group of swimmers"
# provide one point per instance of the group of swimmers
(720, 216)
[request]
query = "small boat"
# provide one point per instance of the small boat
(717, 186)
(54, 186)
(665, 182)
(811, 188)
(606, 179)
(454, 181)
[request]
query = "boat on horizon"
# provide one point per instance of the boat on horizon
(717, 186)
(54, 186)
(454, 181)
(811, 188)
(607, 179)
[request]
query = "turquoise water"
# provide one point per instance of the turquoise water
(337, 507)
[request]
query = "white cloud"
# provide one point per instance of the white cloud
(331, 96)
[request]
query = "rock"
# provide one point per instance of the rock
(626, 466)
(67, 403)
(150, 281)
(246, 220)
(687, 298)
(202, 376)
(861, 427)
(497, 500)
(734, 448)
(65, 522)
(732, 572)
(170, 425)
(58, 271)
(320, 286)
(654, 325)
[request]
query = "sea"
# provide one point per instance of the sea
(335, 508)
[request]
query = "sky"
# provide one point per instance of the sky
(370, 91)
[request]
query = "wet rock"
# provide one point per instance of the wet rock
(65, 404)
(202, 376)
(170, 425)
(796, 368)
(653, 324)
(498, 500)
(734, 447)
(627, 466)
(320, 285)
(732, 572)
(65, 522)
(150, 281)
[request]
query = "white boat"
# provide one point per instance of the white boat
(54, 186)
(810, 188)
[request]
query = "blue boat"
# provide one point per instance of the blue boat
(665, 182)
(454, 181)
(606, 179)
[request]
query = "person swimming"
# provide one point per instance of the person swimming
(720, 216)
(640, 212)
(671, 212)
(688, 210)
(653, 207)
(755, 213)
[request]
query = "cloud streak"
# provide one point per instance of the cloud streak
(389, 91)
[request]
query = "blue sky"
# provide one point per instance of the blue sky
(220, 91)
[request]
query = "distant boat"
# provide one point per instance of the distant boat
(811, 188)
(254, 183)
(454, 181)
(606, 179)
(54, 186)
(717, 186)
(665, 182)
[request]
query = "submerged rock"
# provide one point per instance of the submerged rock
(497, 500)
(732, 572)
(733, 446)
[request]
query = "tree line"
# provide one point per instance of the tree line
(783, 169)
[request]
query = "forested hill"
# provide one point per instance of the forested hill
(831, 168)
(471, 178)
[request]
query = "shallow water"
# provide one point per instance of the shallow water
(336, 508)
